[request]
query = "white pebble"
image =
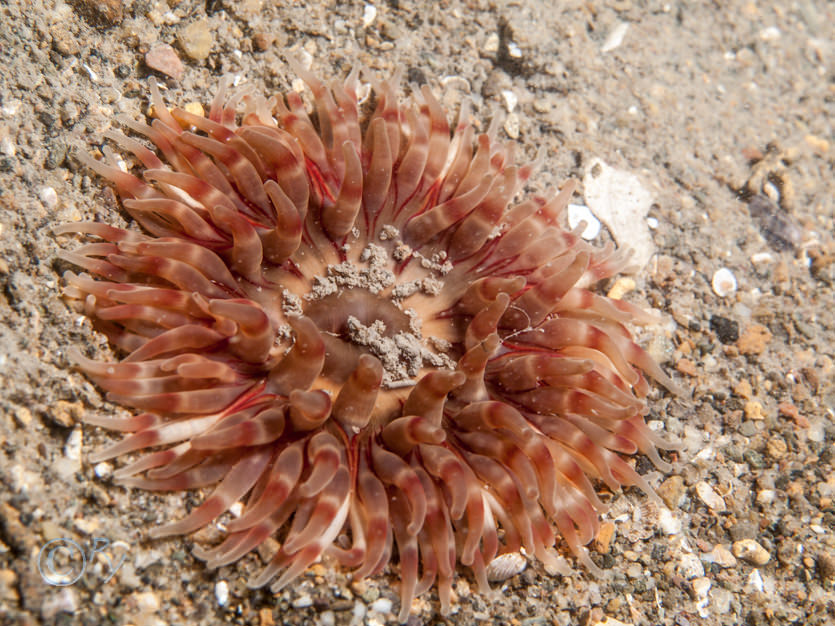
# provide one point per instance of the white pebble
(772, 33)
(72, 448)
(368, 15)
(103, 469)
(511, 126)
(222, 593)
(750, 551)
(7, 147)
(755, 580)
(724, 282)
(64, 601)
(652, 222)
(765, 497)
(381, 605)
(514, 50)
(615, 38)
(721, 556)
(505, 566)
(510, 100)
(710, 497)
(701, 586)
(303, 601)
(147, 602)
(689, 566)
(359, 610)
(10, 108)
(491, 44)
(668, 523)
(49, 197)
(580, 213)
(327, 618)
(760, 258)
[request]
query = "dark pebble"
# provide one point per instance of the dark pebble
(754, 459)
(779, 229)
(726, 330)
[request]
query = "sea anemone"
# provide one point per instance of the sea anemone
(349, 322)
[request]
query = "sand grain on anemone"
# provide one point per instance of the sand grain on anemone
(351, 323)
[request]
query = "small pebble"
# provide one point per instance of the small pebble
(63, 601)
(668, 523)
(222, 593)
(163, 58)
(511, 126)
(196, 40)
(610, 621)
(724, 282)
(690, 566)
(72, 448)
(754, 340)
(707, 495)
(756, 581)
(750, 551)
(510, 100)
(721, 556)
(8, 586)
(615, 37)
(765, 497)
(303, 601)
(671, 491)
(753, 410)
(368, 15)
(776, 448)
(727, 330)
(761, 258)
(49, 197)
(382, 605)
(701, 586)
(491, 44)
(146, 602)
(195, 108)
(622, 286)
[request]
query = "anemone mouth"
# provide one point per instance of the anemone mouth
(352, 327)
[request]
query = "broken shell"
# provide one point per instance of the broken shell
(505, 566)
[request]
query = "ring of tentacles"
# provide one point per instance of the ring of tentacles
(349, 321)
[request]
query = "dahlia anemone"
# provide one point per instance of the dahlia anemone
(347, 322)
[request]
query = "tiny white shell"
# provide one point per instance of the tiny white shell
(724, 282)
(505, 566)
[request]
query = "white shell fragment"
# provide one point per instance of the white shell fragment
(580, 213)
(724, 282)
(621, 201)
(615, 37)
(222, 593)
(505, 566)
(368, 15)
